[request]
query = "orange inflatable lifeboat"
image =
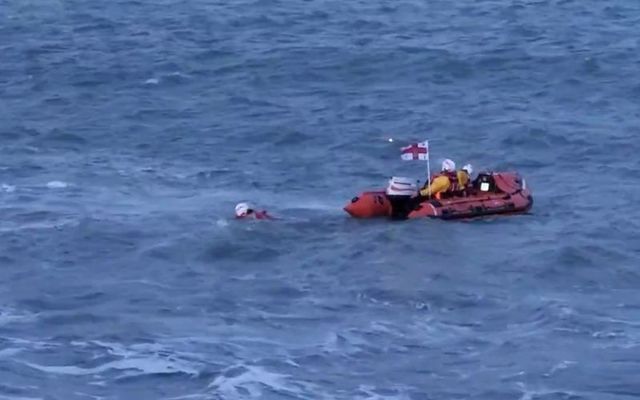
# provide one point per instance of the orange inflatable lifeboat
(491, 193)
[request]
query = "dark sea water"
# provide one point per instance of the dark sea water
(130, 129)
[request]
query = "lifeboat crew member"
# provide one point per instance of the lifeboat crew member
(245, 210)
(448, 181)
(464, 175)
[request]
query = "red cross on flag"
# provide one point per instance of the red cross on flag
(416, 151)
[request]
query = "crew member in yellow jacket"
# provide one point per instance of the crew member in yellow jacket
(448, 181)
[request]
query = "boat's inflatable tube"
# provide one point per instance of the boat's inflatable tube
(491, 193)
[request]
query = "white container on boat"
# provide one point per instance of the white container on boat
(401, 186)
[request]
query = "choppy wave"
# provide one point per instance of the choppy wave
(131, 130)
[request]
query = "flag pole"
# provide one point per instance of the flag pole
(429, 169)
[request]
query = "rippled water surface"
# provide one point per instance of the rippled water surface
(129, 130)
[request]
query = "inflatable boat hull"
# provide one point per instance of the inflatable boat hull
(507, 194)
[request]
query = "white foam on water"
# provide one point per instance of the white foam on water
(251, 381)
(9, 316)
(190, 397)
(90, 396)
(8, 188)
(343, 343)
(368, 393)
(292, 363)
(145, 282)
(560, 366)
(57, 185)
(9, 352)
(526, 395)
(33, 345)
(20, 398)
(145, 366)
(535, 394)
(152, 81)
(144, 358)
(179, 74)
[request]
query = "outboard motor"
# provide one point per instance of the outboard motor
(399, 192)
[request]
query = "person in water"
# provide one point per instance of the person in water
(448, 181)
(246, 210)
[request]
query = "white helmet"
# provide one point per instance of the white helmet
(448, 165)
(468, 168)
(242, 209)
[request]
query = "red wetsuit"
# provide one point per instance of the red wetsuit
(256, 215)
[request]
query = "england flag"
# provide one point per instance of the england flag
(416, 151)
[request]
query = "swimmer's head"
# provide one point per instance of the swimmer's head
(243, 209)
